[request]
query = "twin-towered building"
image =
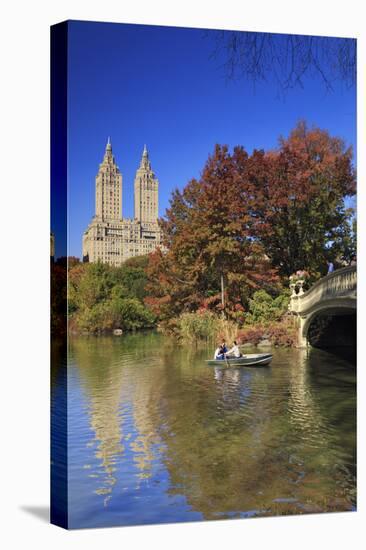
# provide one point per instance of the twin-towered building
(109, 237)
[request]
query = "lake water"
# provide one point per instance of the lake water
(155, 435)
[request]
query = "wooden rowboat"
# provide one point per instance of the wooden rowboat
(249, 360)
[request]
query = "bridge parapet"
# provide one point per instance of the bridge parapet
(342, 283)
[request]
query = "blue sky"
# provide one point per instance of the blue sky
(158, 85)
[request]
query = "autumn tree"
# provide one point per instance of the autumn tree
(249, 218)
(212, 259)
(298, 192)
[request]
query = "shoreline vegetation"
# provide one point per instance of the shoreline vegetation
(104, 299)
(233, 241)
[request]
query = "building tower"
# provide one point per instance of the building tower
(146, 192)
(110, 238)
(108, 188)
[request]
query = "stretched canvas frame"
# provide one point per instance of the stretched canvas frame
(182, 478)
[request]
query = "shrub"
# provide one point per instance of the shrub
(251, 335)
(130, 314)
(280, 334)
(98, 318)
(203, 325)
(127, 314)
(226, 330)
(197, 326)
(169, 327)
(264, 309)
(103, 297)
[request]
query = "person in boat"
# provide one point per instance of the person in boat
(224, 348)
(234, 351)
(219, 353)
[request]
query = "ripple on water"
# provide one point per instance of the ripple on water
(158, 436)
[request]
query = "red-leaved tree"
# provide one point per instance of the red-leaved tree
(212, 261)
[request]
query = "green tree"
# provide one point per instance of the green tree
(102, 297)
(265, 309)
(131, 277)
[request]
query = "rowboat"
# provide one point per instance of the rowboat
(249, 360)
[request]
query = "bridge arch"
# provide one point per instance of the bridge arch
(330, 325)
(333, 298)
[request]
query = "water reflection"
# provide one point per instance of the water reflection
(102, 383)
(59, 447)
(169, 439)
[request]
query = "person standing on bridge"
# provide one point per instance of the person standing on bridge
(330, 267)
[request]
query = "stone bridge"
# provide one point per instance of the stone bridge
(327, 311)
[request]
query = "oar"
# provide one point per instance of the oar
(226, 360)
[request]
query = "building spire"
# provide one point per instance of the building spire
(145, 163)
(109, 145)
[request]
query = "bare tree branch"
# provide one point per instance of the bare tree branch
(286, 59)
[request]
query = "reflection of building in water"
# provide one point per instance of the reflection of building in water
(103, 383)
(106, 423)
(145, 423)
(149, 401)
(102, 376)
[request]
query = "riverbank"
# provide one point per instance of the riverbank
(282, 334)
(106, 300)
(206, 326)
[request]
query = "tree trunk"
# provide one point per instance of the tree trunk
(222, 292)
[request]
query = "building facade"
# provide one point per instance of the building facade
(111, 238)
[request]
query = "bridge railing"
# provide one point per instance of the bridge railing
(342, 282)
